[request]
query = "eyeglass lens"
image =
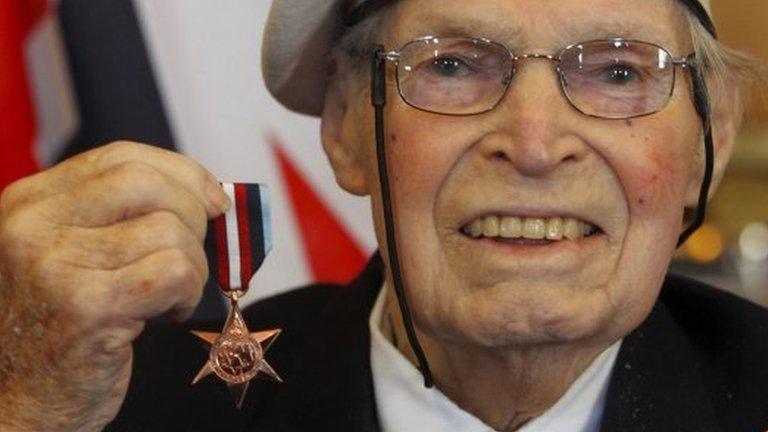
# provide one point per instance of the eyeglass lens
(462, 76)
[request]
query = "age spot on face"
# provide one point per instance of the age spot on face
(651, 182)
(393, 138)
(629, 122)
(657, 181)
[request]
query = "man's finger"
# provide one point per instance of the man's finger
(198, 181)
(126, 191)
(118, 245)
(165, 282)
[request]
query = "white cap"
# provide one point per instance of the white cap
(297, 40)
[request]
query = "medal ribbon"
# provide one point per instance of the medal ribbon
(238, 241)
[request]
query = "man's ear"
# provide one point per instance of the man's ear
(339, 133)
(725, 117)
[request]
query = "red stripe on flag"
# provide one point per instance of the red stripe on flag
(17, 113)
(244, 231)
(332, 253)
(222, 252)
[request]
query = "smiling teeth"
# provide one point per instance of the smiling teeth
(491, 227)
(555, 228)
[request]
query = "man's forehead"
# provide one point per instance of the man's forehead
(706, 3)
(517, 23)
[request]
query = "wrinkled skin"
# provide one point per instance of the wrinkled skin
(89, 250)
(493, 316)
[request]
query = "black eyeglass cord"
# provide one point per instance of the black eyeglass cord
(379, 99)
(701, 103)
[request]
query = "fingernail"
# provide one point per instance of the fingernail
(218, 197)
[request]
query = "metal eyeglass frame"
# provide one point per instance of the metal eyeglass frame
(684, 62)
(379, 59)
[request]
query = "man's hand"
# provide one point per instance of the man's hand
(89, 250)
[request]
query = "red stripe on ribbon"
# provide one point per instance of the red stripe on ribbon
(222, 253)
(244, 232)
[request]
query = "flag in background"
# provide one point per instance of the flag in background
(183, 75)
(37, 109)
(206, 57)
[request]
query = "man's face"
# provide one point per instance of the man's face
(534, 158)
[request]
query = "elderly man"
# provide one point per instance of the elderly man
(532, 166)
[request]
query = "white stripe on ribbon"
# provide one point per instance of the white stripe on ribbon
(233, 239)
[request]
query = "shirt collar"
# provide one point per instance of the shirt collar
(405, 405)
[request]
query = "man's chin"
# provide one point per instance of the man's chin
(520, 325)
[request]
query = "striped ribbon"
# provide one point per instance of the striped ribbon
(238, 241)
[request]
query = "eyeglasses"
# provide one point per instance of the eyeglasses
(612, 79)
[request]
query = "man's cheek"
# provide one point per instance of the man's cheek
(419, 161)
(408, 165)
(656, 181)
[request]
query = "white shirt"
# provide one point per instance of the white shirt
(405, 405)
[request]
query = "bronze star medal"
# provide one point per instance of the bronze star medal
(236, 245)
(236, 355)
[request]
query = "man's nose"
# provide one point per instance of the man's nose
(534, 124)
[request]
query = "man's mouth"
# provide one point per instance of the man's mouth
(529, 230)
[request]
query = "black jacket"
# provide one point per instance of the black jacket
(698, 363)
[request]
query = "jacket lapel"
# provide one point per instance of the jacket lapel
(330, 386)
(656, 383)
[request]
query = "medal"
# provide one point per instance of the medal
(236, 244)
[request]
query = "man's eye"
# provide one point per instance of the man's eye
(450, 67)
(619, 74)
